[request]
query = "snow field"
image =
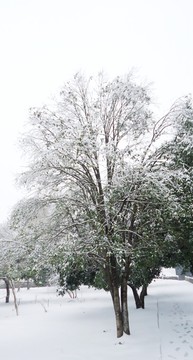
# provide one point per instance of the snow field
(54, 328)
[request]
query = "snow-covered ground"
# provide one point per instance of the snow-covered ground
(55, 328)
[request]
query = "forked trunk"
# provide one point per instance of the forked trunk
(120, 304)
(136, 296)
(119, 296)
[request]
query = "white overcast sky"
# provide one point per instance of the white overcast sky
(44, 42)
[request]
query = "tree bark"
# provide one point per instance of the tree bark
(14, 296)
(117, 309)
(28, 284)
(136, 296)
(145, 291)
(124, 306)
(142, 295)
(7, 286)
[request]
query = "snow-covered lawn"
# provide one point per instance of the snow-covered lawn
(55, 328)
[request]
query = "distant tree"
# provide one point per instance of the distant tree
(8, 261)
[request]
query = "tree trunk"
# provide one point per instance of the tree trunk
(136, 296)
(119, 296)
(124, 306)
(117, 310)
(145, 290)
(14, 296)
(7, 286)
(142, 295)
(28, 284)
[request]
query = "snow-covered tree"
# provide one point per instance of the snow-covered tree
(179, 154)
(95, 170)
(7, 257)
